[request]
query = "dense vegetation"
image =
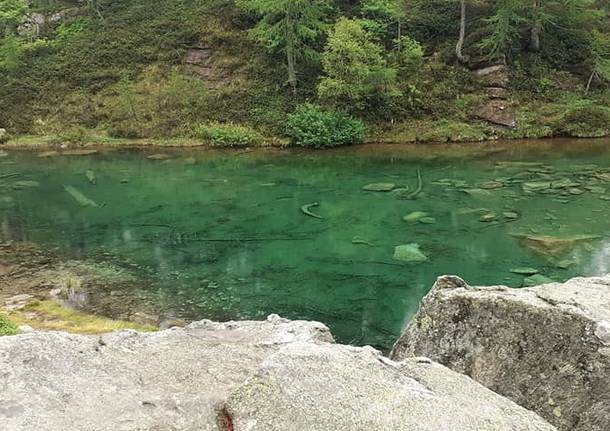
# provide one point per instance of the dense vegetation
(404, 69)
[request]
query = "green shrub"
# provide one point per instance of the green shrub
(7, 327)
(228, 135)
(74, 135)
(585, 122)
(312, 126)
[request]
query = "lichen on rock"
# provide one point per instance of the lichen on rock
(531, 345)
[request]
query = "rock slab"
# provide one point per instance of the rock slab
(547, 347)
(330, 387)
(272, 375)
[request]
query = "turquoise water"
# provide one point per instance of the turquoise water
(223, 235)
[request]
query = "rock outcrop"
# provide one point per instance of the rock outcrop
(35, 24)
(200, 60)
(273, 375)
(546, 348)
(497, 110)
(497, 75)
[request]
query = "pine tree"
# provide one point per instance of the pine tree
(290, 27)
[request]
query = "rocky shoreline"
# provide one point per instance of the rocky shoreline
(512, 359)
(272, 375)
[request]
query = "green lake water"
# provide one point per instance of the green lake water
(221, 235)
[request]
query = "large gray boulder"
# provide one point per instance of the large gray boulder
(273, 375)
(546, 348)
(331, 387)
(127, 381)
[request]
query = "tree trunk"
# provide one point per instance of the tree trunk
(590, 81)
(536, 29)
(291, 51)
(535, 37)
(460, 44)
(291, 64)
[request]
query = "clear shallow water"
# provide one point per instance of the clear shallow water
(222, 235)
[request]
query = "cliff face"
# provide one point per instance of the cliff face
(272, 375)
(546, 348)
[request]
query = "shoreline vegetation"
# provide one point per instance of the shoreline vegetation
(52, 145)
(228, 75)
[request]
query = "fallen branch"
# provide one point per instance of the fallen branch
(418, 190)
(306, 209)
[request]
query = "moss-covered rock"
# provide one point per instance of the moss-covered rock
(52, 316)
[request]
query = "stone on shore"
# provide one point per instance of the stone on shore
(547, 348)
(272, 375)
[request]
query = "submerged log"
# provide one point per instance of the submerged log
(82, 200)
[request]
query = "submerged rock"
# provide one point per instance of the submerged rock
(6, 202)
(489, 217)
(91, 176)
(427, 220)
(491, 185)
(273, 375)
(536, 280)
(470, 211)
(546, 348)
(379, 187)
(551, 246)
(596, 189)
(536, 186)
(80, 152)
(159, 157)
(564, 183)
(477, 193)
(409, 253)
(524, 271)
(511, 215)
(46, 154)
(26, 184)
(415, 216)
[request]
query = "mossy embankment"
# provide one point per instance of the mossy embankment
(49, 315)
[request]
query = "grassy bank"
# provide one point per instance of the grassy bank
(49, 315)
